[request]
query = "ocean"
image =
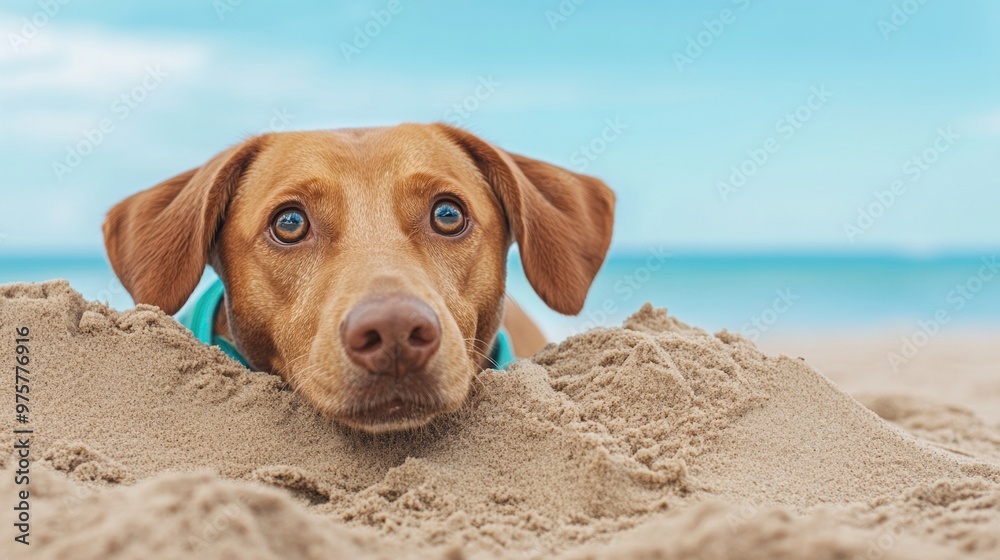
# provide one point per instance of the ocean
(754, 294)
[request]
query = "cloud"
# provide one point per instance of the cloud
(986, 124)
(62, 78)
(82, 60)
(46, 123)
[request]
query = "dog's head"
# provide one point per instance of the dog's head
(365, 266)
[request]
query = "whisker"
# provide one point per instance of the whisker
(487, 357)
(289, 375)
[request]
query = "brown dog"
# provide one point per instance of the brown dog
(366, 266)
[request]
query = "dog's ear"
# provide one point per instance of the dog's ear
(560, 220)
(158, 240)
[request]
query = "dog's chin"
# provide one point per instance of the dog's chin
(394, 415)
(379, 405)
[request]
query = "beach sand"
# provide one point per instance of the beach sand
(959, 366)
(654, 440)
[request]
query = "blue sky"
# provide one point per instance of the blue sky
(838, 96)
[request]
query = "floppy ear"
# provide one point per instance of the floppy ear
(561, 220)
(158, 240)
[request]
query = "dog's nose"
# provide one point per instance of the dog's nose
(395, 334)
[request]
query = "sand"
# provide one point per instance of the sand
(958, 365)
(654, 440)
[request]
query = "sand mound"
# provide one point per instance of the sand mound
(653, 439)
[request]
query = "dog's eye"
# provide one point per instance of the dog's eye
(290, 226)
(447, 218)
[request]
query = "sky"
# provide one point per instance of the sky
(778, 125)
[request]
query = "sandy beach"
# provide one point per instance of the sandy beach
(957, 367)
(653, 440)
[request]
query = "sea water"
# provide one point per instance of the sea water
(754, 294)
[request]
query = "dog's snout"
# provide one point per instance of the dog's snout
(396, 334)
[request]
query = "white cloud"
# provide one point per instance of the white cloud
(81, 60)
(987, 124)
(69, 71)
(64, 78)
(46, 123)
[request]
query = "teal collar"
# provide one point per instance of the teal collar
(200, 320)
(502, 353)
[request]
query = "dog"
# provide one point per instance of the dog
(366, 266)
